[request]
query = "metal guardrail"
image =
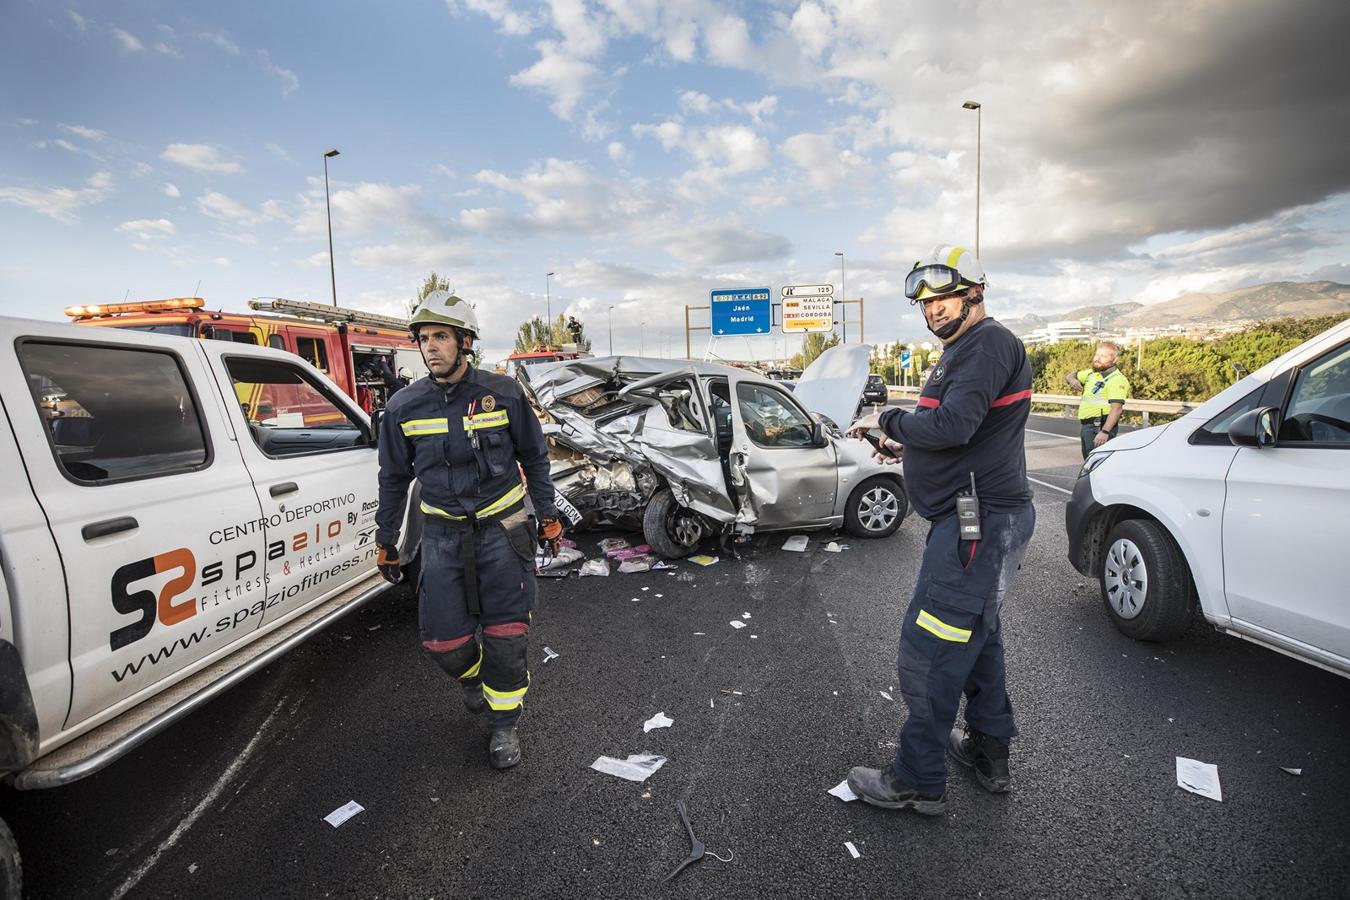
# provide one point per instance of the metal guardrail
(1070, 403)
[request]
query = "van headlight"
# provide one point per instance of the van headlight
(1093, 461)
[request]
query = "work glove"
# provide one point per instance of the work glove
(550, 536)
(389, 564)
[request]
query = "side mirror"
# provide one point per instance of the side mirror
(818, 434)
(375, 427)
(1255, 428)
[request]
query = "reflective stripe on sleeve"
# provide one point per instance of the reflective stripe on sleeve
(414, 427)
(935, 626)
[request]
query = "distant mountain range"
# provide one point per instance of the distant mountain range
(1276, 300)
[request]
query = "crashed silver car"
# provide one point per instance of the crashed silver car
(686, 451)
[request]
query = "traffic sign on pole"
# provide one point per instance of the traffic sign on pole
(904, 359)
(808, 290)
(744, 311)
(805, 313)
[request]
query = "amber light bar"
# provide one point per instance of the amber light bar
(112, 309)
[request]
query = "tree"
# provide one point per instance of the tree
(432, 282)
(533, 335)
(814, 344)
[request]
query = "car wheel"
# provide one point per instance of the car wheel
(672, 530)
(876, 508)
(1146, 583)
(11, 867)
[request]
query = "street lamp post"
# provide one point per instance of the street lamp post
(611, 330)
(971, 104)
(843, 294)
(642, 336)
(328, 204)
(548, 300)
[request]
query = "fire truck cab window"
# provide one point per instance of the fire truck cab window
(312, 351)
(238, 337)
(146, 427)
(289, 414)
(276, 342)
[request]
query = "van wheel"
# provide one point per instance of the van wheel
(1146, 584)
(876, 508)
(11, 868)
(672, 530)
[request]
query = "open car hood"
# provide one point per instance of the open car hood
(833, 384)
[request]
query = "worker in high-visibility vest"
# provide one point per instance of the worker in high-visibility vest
(1105, 391)
(466, 435)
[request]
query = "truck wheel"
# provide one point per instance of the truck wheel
(876, 508)
(1146, 584)
(11, 869)
(672, 530)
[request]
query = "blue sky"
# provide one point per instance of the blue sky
(649, 152)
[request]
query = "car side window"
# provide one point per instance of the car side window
(682, 406)
(1319, 407)
(288, 413)
(114, 413)
(771, 420)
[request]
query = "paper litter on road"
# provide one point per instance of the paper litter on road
(754, 637)
(843, 791)
(696, 633)
(343, 813)
(711, 705)
(658, 596)
(648, 589)
(637, 767)
(703, 559)
(745, 615)
(737, 623)
(1199, 778)
(550, 653)
(1291, 771)
(563, 558)
(594, 567)
(886, 695)
(852, 849)
(796, 543)
(609, 544)
(192, 869)
(660, 720)
(636, 564)
(835, 547)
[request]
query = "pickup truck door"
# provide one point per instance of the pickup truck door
(786, 477)
(155, 518)
(308, 451)
(1286, 518)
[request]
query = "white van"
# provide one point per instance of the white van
(1242, 506)
(178, 514)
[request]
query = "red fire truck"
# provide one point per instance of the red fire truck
(359, 351)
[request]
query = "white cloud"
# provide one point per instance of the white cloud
(696, 102)
(811, 26)
(220, 40)
(509, 21)
(171, 190)
(127, 41)
(410, 254)
(147, 229)
(618, 152)
(278, 151)
(559, 74)
(200, 158)
(89, 134)
(227, 209)
(729, 43)
(174, 52)
(290, 82)
(222, 261)
(66, 145)
(81, 23)
(60, 203)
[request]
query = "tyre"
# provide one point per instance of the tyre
(672, 530)
(1146, 584)
(876, 508)
(11, 868)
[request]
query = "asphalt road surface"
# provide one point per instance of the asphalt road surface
(767, 718)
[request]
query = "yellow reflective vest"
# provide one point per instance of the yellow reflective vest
(1100, 390)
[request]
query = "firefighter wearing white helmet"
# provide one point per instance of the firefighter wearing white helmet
(962, 448)
(466, 435)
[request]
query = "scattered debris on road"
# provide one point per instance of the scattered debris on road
(852, 849)
(737, 623)
(796, 543)
(886, 695)
(843, 791)
(550, 653)
(696, 848)
(1291, 771)
(637, 767)
(1199, 778)
(595, 567)
(835, 547)
(703, 559)
(343, 813)
(660, 720)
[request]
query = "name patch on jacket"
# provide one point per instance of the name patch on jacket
(486, 420)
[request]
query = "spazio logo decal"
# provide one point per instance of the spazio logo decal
(245, 567)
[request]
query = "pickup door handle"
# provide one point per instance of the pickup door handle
(108, 526)
(286, 487)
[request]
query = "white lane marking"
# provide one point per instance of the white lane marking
(1053, 487)
(191, 818)
(1062, 437)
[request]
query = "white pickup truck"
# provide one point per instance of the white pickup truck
(178, 514)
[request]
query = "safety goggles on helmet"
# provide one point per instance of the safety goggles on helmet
(937, 278)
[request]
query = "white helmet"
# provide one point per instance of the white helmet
(946, 270)
(444, 308)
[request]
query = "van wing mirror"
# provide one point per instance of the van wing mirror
(1256, 428)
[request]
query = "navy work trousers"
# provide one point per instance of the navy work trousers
(951, 642)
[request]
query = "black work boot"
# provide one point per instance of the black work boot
(985, 755)
(881, 788)
(473, 697)
(503, 747)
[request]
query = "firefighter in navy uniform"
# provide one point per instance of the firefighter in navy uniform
(465, 434)
(964, 457)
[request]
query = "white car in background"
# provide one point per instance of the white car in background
(1243, 506)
